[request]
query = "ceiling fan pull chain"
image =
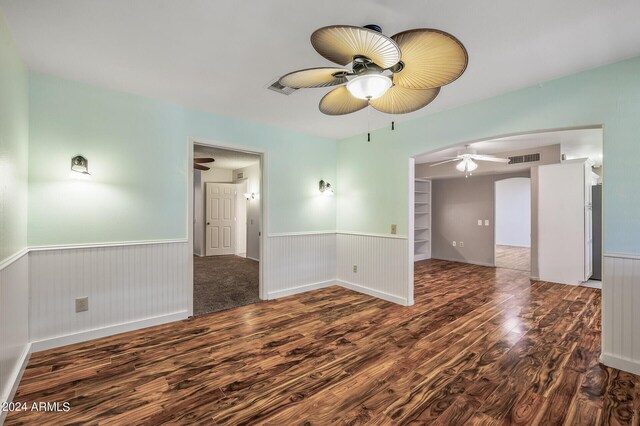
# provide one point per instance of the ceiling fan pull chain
(369, 123)
(393, 123)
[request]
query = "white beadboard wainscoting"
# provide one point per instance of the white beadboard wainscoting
(298, 262)
(621, 312)
(14, 320)
(381, 262)
(129, 286)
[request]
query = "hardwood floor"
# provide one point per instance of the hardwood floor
(480, 346)
(511, 257)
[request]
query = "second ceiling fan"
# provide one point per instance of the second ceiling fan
(197, 163)
(466, 163)
(395, 75)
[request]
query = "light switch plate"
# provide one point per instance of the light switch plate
(486, 222)
(394, 228)
(461, 243)
(479, 222)
(82, 304)
(454, 243)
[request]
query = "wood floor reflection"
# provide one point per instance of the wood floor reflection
(480, 346)
(511, 257)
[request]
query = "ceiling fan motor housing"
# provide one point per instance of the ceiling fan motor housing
(374, 27)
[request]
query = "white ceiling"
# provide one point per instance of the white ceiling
(225, 159)
(219, 56)
(578, 143)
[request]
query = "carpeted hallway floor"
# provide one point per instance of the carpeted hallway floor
(223, 282)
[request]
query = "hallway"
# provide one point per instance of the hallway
(224, 282)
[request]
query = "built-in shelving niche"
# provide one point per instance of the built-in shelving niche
(422, 220)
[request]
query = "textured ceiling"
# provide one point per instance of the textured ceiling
(225, 159)
(219, 56)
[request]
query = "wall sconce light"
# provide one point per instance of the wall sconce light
(325, 187)
(249, 195)
(80, 164)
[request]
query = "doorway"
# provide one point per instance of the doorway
(227, 228)
(564, 167)
(513, 223)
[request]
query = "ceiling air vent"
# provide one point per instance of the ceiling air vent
(277, 87)
(529, 158)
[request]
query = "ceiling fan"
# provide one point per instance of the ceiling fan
(466, 163)
(197, 163)
(395, 75)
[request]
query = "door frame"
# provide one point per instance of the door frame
(531, 217)
(263, 198)
(410, 285)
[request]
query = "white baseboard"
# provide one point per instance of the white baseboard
(419, 257)
(296, 290)
(592, 284)
(16, 376)
(83, 336)
(470, 262)
(375, 293)
(253, 258)
(621, 363)
(578, 284)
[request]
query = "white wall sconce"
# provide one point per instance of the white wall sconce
(80, 164)
(325, 187)
(249, 195)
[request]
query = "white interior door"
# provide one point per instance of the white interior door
(220, 234)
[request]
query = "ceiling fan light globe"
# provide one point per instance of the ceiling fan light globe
(467, 165)
(369, 86)
(471, 165)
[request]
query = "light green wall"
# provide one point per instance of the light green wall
(137, 152)
(372, 177)
(14, 142)
(137, 155)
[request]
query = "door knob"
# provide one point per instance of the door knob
(208, 223)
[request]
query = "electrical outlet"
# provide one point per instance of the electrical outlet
(82, 304)
(486, 222)
(461, 243)
(479, 222)
(355, 269)
(454, 243)
(394, 228)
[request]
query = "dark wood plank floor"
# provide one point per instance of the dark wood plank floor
(480, 346)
